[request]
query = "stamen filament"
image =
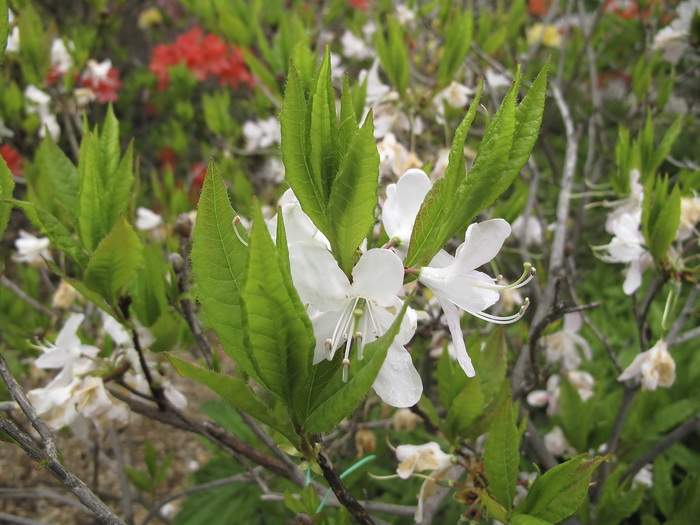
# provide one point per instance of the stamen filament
(235, 222)
(495, 319)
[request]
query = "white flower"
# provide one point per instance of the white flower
(97, 70)
(147, 219)
(68, 351)
(405, 15)
(690, 216)
(644, 477)
(394, 158)
(555, 441)
(60, 58)
(359, 311)
(528, 230)
(655, 367)
(421, 458)
(376, 89)
(496, 80)
(38, 102)
(459, 284)
(261, 134)
(13, 41)
(673, 39)
(562, 347)
(31, 249)
(456, 95)
(453, 280)
(354, 47)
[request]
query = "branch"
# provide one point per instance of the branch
(679, 434)
(348, 500)
(24, 297)
(373, 506)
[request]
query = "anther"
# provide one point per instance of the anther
(360, 346)
(329, 348)
(346, 366)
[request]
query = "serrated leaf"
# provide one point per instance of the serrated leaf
(281, 335)
(62, 174)
(331, 399)
(525, 519)
(561, 490)
(425, 242)
(120, 184)
(92, 211)
(501, 456)
(457, 43)
(7, 186)
(115, 262)
(296, 147)
(219, 262)
(109, 149)
(323, 154)
(490, 362)
(660, 152)
(664, 227)
(59, 235)
(236, 392)
(465, 409)
(528, 119)
(348, 126)
(354, 196)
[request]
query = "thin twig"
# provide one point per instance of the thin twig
(342, 493)
(11, 518)
(688, 308)
(685, 336)
(679, 434)
(127, 507)
(21, 294)
(372, 506)
(47, 437)
(88, 498)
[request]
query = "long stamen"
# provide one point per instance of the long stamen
(342, 328)
(503, 320)
(235, 222)
(525, 278)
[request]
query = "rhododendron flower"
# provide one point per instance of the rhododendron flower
(354, 47)
(38, 103)
(562, 347)
(674, 38)
(31, 249)
(147, 219)
(102, 79)
(454, 280)
(421, 458)
(556, 443)
(261, 134)
(690, 216)
(13, 159)
(67, 351)
(655, 367)
(205, 55)
(358, 312)
(61, 61)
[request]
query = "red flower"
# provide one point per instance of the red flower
(12, 158)
(362, 5)
(102, 79)
(538, 7)
(204, 55)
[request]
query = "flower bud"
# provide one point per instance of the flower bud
(65, 296)
(183, 226)
(177, 262)
(365, 441)
(404, 419)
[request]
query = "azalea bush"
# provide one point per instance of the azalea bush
(440, 265)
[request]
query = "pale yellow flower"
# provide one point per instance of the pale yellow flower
(548, 34)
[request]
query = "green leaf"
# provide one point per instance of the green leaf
(393, 54)
(148, 294)
(496, 510)
(577, 416)
(62, 174)
(149, 458)
(528, 119)
(109, 149)
(139, 479)
(296, 148)
(59, 235)
(457, 43)
(236, 392)
(348, 126)
(120, 184)
(660, 152)
(219, 264)
(4, 32)
(501, 456)
(662, 488)
(281, 335)
(354, 196)
(465, 409)
(92, 210)
(330, 398)
(490, 362)
(425, 242)
(115, 262)
(323, 155)
(561, 490)
(525, 519)
(664, 228)
(7, 183)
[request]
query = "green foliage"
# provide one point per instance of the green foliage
(393, 54)
(560, 491)
(7, 186)
(661, 213)
(458, 39)
(501, 457)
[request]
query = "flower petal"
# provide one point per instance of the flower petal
(482, 242)
(68, 336)
(452, 318)
(398, 382)
(459, 286)
(317, 277)
(403, 202)
(378, 276)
